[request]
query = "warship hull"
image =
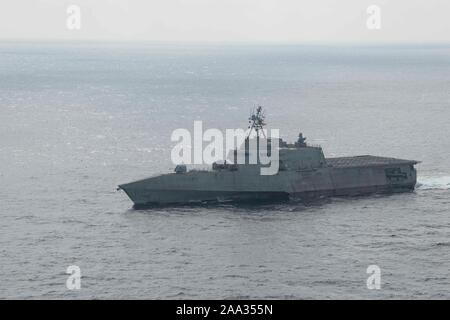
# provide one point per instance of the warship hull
(166, 197)
(339, 177)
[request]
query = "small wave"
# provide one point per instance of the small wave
(176, 295)
(443, 244)
(428, 183)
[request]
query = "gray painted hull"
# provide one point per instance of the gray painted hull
(339, 178)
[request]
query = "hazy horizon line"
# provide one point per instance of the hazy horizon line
(229, 42)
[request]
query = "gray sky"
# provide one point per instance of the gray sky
(228, 20)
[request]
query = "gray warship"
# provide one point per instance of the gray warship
(303, 174)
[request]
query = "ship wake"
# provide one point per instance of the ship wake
(430, 183)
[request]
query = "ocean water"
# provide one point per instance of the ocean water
(77, 119)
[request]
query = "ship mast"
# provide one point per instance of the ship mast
(257, 122)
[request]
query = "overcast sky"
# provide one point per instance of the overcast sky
(228, 20)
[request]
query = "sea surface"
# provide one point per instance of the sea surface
(77, 119)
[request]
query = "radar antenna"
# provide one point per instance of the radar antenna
(256, 121)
